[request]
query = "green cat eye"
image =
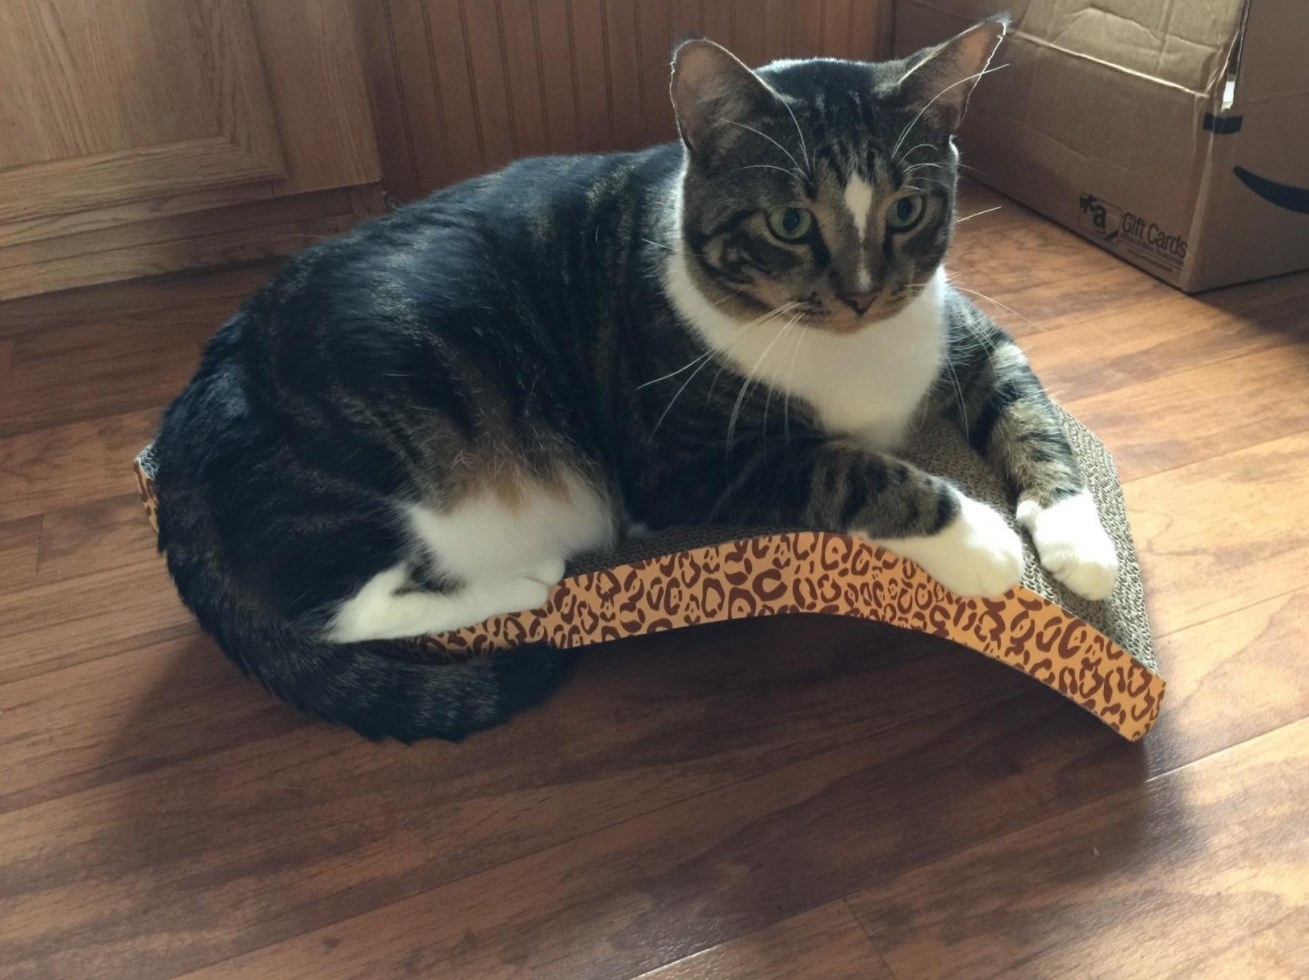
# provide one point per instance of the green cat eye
(905, 213)
(790, 224)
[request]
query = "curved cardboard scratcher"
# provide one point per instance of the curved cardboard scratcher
(1097, 654)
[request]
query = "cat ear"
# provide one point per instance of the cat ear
(940, 79)
(715, 96)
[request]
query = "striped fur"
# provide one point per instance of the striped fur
(423, 419)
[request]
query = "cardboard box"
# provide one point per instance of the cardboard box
(1174, 133)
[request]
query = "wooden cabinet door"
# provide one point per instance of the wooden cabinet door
(108, 101)
(147, 136)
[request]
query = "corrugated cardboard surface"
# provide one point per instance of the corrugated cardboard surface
(1109, 117)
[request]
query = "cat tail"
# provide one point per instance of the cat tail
(383, 693)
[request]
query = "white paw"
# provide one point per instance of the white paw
(549, 572)
(519, 594)
(1072, 544)
(977, 554)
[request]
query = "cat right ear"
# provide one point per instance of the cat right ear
(715, 96)
(940, 79)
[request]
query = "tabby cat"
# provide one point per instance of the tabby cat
(412, 427)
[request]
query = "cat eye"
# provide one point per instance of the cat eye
(790, 224)
(905, 213)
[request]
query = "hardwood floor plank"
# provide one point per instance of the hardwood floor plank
(1232, 679)
(1222, 534)
(78, 463)
(1156, 881)
(1130, 343)
(71, 374)
(735, 860)
(20, 543)
(71, 621)
(827, 943)
(1269, 952)
(66, 731)
(198, 707)
(1069, 284)
(246, 834)
(106, 534)
(1176, 419)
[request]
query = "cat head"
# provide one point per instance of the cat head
(822, 188)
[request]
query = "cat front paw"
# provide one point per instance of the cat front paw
(976, 554)
(1072, 544)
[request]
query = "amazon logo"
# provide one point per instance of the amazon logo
(1276, 193)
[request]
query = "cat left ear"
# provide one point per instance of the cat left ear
(940, 79)
(715, 97)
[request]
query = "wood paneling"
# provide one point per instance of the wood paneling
(313, 59)
(482, 83)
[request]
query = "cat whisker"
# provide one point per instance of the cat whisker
(777, 311)
(751, 129)
(907, 153)
(673, 374)
(678, 394)
(790, 376)
(663, 245)
(914, 122)
(933, 180)
(768, 399)
(958, 393)
(793, 172)
(977, 214)
(706, 361)
(771, 314)
(1007, 309)
(749, 380)
(804, 150)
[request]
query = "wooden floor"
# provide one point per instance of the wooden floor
(775, 799)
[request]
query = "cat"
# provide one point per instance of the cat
(412, 427)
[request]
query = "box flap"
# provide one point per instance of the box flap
(1272, 62)
(1181, 43)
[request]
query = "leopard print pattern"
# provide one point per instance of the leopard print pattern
(821, 573)
(145, 486)
(829, 574)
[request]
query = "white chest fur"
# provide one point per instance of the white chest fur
(867, 384)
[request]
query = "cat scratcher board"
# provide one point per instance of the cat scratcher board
(1099, 655)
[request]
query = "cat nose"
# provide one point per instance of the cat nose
(859, 302)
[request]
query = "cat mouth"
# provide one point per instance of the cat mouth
(814, 311)
(840, 319)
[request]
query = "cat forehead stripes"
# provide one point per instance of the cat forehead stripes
(830, 148)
